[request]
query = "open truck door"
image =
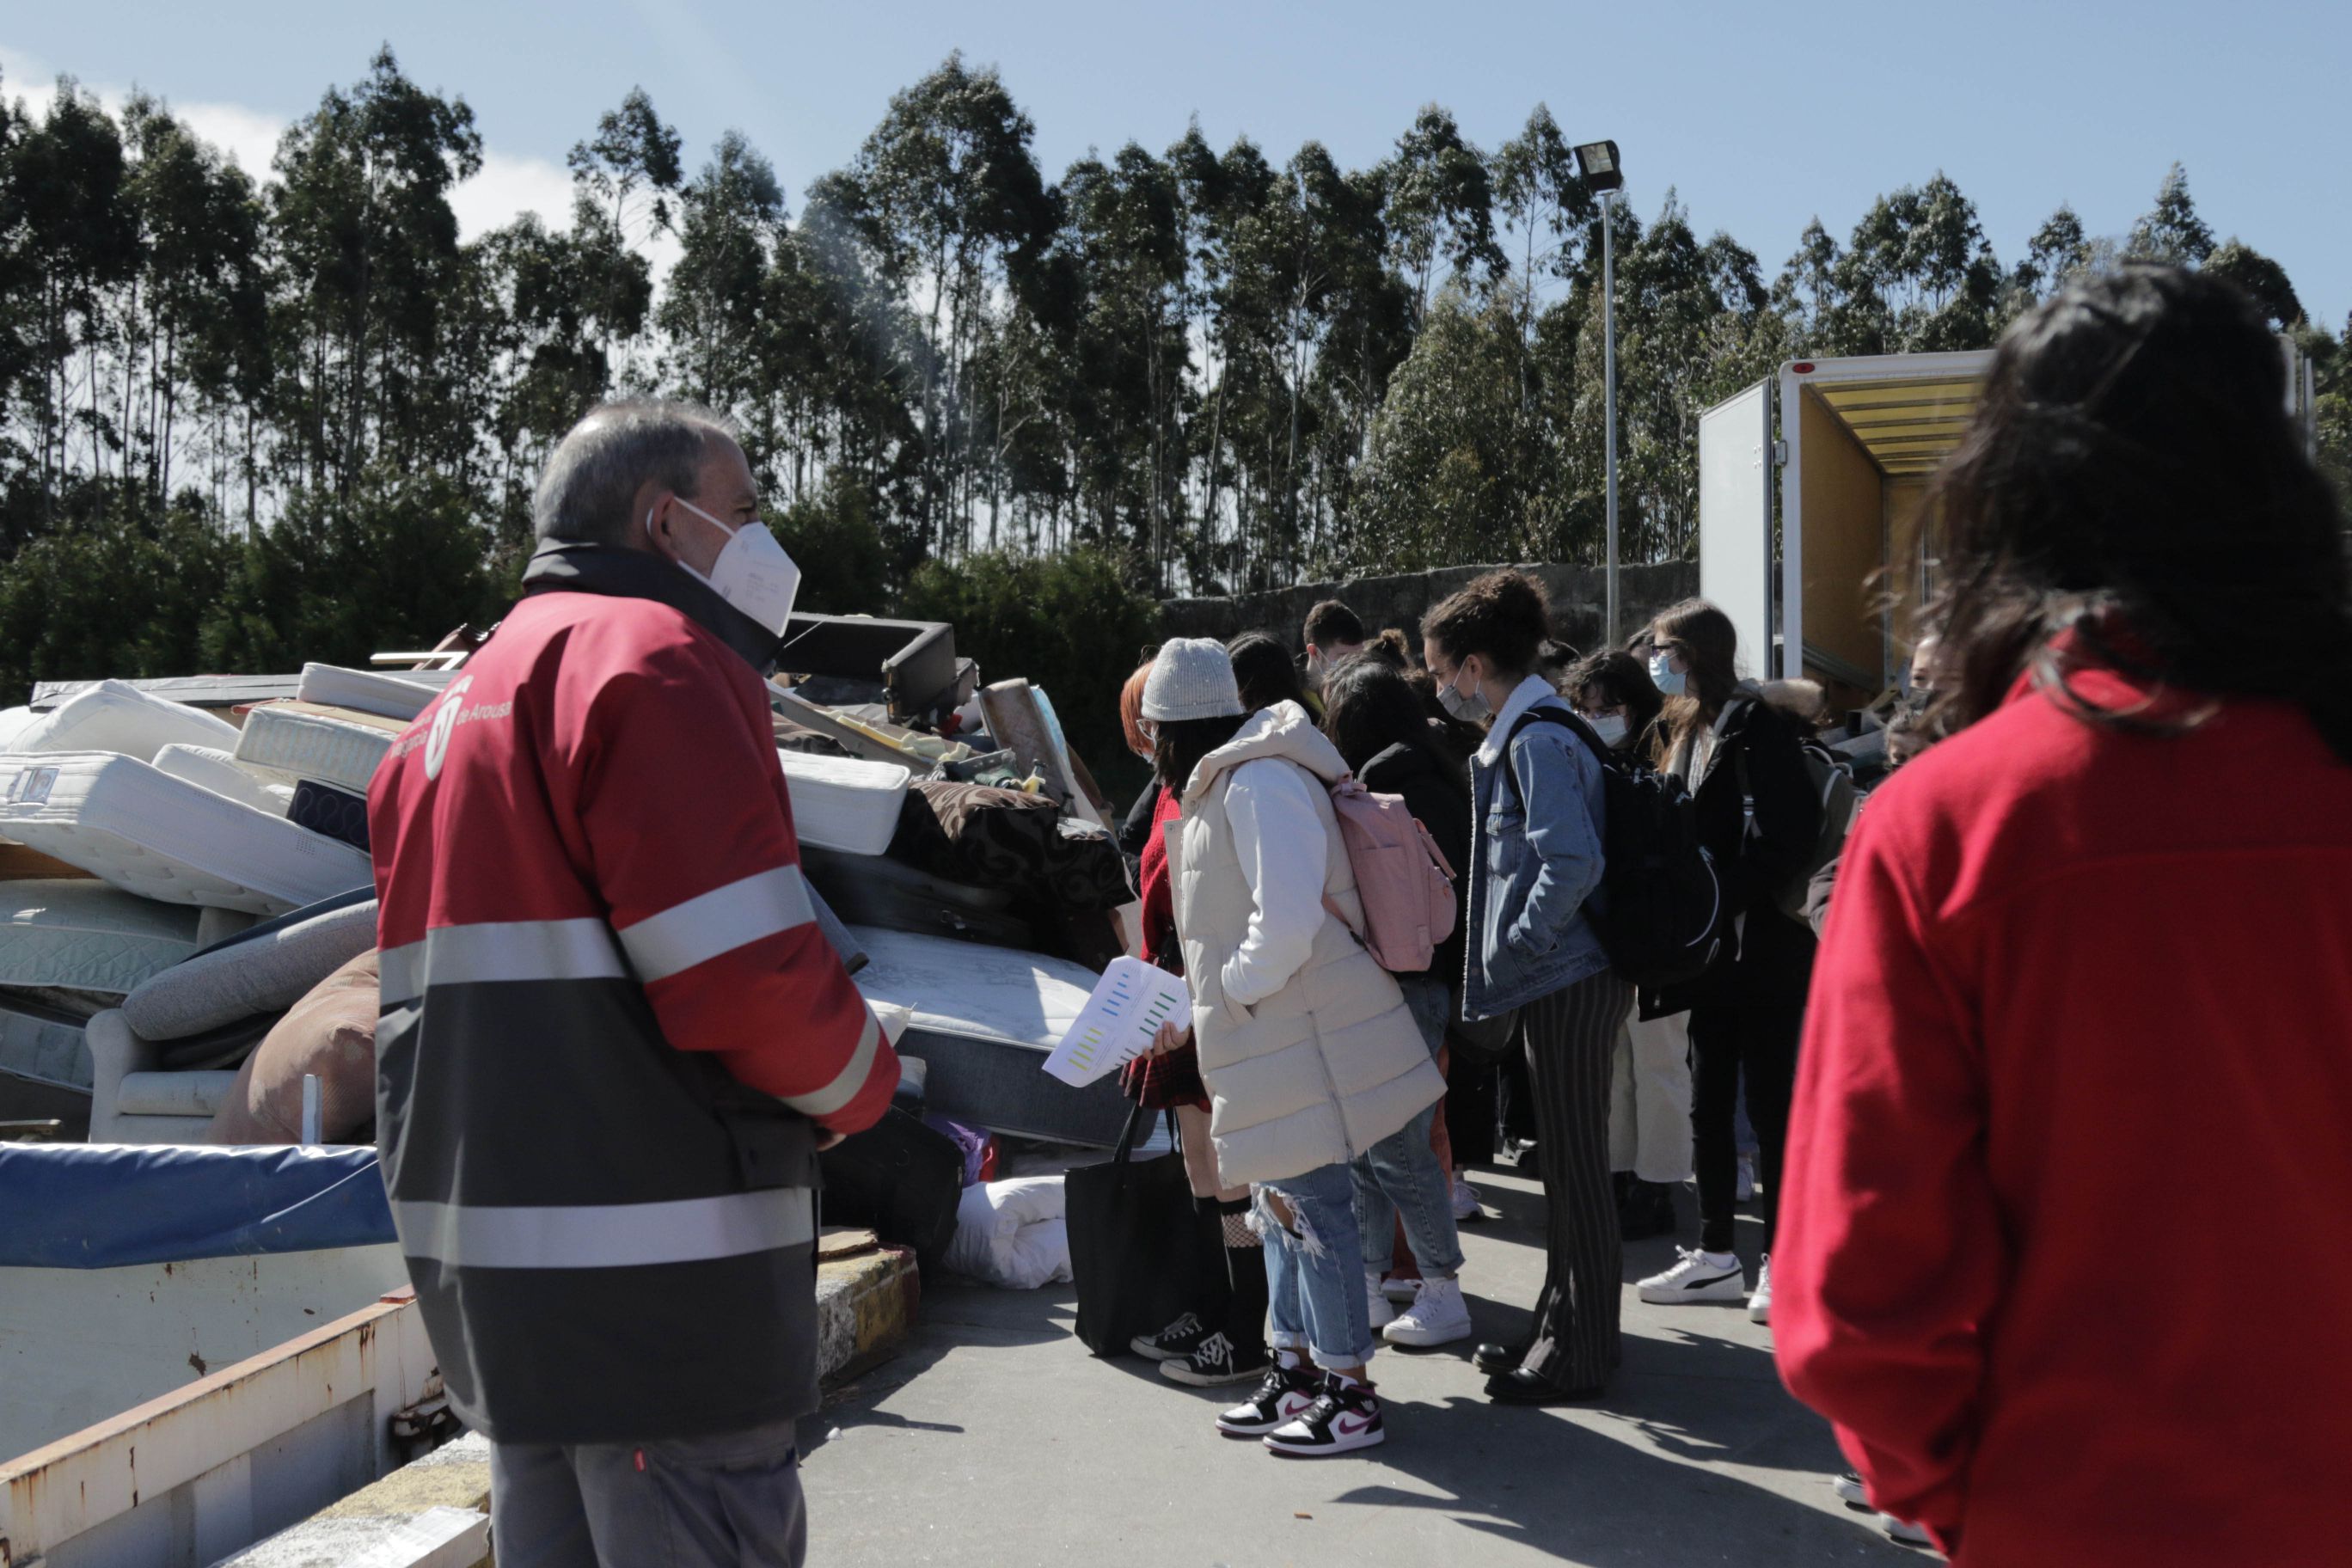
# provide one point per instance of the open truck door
(1735, 518)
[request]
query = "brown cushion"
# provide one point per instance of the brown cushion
(332, 1033)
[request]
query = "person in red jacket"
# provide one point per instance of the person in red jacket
(614, 1039)
(2070, 1132)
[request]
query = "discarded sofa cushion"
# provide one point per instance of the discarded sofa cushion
(36, 1047)
(331, 1033)
(79, 935)
(364, 691)
(114, 716)
(165, 838)
(262, 971)
(217, 771)
(291, 742)
(337, 813)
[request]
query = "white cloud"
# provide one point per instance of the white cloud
(506, 187)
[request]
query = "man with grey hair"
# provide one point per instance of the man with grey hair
(612, 1037)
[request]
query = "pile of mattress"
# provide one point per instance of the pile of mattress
(147, 832)
(840, 803)
(340, 747)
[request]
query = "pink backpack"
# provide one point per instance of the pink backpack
(1402, 877)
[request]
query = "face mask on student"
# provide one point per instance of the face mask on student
(752, 572)
(1608, 728)
(1669, 680)
(1469, 708)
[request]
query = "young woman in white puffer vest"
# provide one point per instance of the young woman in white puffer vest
(1309, 1051)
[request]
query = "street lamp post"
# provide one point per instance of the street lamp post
(1604, 176)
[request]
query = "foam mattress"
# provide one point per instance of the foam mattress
(88, 936)
(291, 742)
(218, 771)
(164, 838)
(364, 691)
(840, 803)
(113, 716)
(984, 1019)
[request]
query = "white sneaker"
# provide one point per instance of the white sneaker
(1759, 1303)
(1401, 1291)
(1697, 1276)
(1850, 1492)
(1465, 1203)
(1905, 1532)
(1377, 1306)
(1438, 1316)
(1747, 1185)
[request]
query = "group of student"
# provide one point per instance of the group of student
(2095, 946)
(1329, 1071)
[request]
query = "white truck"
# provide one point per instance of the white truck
(1824, 572)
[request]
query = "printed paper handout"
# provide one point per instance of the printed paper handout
(1118, 1021)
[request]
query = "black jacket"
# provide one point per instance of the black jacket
(1440, 797)
(1756, 755)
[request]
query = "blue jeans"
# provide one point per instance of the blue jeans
(1401, 1175)
(1315, 1268)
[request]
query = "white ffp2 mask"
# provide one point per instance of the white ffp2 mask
(752, 572)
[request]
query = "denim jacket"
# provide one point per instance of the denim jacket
(1535, 859)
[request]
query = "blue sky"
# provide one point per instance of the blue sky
(1761, 115)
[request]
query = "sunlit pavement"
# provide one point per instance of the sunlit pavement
(996, 1439)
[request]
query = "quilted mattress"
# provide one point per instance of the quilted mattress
(167, 840)
(984, 1019)
(114, 717)
(291, 742)
(364, 691)
(218, 771)
(840, 803)
(87, 936)
(43, 1048)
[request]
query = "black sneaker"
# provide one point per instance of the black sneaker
(1177, 1341)
(1217, 1361)
(1343, 1419)
(1286, 1391)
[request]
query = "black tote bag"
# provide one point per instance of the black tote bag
(1141, 1247)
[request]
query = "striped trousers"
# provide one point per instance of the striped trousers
(1570, 1038)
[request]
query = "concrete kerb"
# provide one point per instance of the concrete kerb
(432, 1513)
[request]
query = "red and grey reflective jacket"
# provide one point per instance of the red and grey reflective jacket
(610, 1026)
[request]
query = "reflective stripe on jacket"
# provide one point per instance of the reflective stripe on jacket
(610, 1023)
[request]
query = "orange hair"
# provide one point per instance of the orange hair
(1131, 709)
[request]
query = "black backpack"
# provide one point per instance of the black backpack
(1659, 912)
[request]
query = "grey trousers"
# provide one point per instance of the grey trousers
(730, 1501)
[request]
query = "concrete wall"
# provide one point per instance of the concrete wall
(1578, 596)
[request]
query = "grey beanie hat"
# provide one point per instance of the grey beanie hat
(1190, 679)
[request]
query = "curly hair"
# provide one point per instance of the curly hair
(2132, 478)
(1502, 618)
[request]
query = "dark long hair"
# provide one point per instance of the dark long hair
(1263, 670)
(1709, 645)
(2132, 477)
(1367, 708)
(1621, 680)
(1184, 742)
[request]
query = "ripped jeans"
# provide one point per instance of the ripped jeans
(1315, 1268)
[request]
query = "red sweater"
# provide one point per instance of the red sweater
(2073, 1128)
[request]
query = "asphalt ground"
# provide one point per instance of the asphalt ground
(994, 1438)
